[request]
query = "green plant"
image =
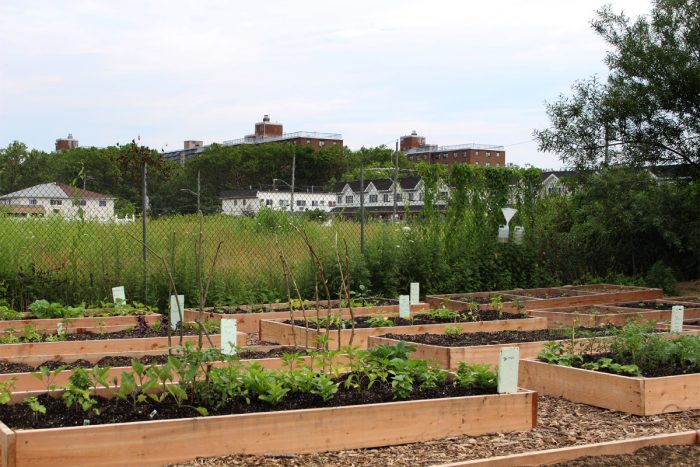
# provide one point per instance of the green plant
(8, 313)
(77, 393)
(497, 304)
(379, 322)
(35, 406)
(453, 331)
(475, 376)
(29, 333)
(48, 376)
(43, 309)
(444, 315)
(661, 276)
(6, 388)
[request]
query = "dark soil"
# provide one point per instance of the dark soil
(552, 294)
(652, 456)
(121, 361)
(363, 322)
(312, 306)
(501, 337)
(649, 305)
(117, 411)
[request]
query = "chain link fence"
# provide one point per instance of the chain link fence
(69, 244)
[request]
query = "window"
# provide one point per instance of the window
(348, 199)
(32, 202)
(340, 199)
(79, 202)
(321, 144)
(410, 196)
(301, 202)
(323, 202)
(308, 141)
(334, 143)
(281, 202)
(443, 194)
(373, 198)
(488, 154)
(476, 163)
(56, 202)
(420, 196)
(314, 203)
(476, 153)
(488, 164)
(386, 198)
(398, 196)
(268, 202)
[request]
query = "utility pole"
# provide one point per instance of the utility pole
(199, 193)
(396, 177)
(294, 161)
(362, 206)
(144, 208)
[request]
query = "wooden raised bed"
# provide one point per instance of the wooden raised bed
(593, 315)
(103, 345)
(688, 298)
(250, 322)
(280, 333)
(692, 310)
(608, 448)
(612, 293)
(636, 395)
(27, 382)
(90, 323)
(449, 357)
(452, 301)
(284, 432)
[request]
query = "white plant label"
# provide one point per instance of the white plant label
(229, 332)
(508, 361)
(59, 328)
(404, 306)
(174, 311)
(118, 295)
(677, 318)
(415, 293)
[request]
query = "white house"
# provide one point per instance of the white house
(249, 202)
(379, 196)
(58, 199)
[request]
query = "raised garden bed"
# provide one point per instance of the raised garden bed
(281, 332)
(248, 316)
(687, 298)
(482, 300)
(432, 404)
(640, 372)
(448, 351)
(618, 293)
(663, 307)
(593, 315)
(637, 395)
(268, 357)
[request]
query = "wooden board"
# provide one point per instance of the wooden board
(608, 448)
(280, 333)
(294, 431)
(106, 324)
(250, 322)
(101, 345)
(593, 315)
(636, 395)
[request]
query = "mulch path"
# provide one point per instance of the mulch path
(560, 424)
(652, 456)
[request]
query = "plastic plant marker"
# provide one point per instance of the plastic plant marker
(404, 306)
(119, 295)
(59, 328)
(415, 293)
(508, 361)
(174, 312)
(229, 331)
(677, 312)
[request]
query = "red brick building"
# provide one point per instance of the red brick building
(265, 132)
(417, 150)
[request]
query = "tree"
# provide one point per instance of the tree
(648, 110)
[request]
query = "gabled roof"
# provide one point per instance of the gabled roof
(55, 191)
(382, 184)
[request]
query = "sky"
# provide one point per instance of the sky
(457, 72)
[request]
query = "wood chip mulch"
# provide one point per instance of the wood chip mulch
(560, 423)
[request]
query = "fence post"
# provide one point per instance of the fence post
(362, 207)
(144, 207)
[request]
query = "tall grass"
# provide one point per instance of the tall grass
(75, 261)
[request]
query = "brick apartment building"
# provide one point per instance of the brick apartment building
(265, 132)
(66, 144)
(417, 150)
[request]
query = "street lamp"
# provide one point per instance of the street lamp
(197, 194)
(291, 191)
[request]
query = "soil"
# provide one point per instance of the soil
(479, 300)
(363, 322)
(500, 337)
(121, 361)
(90, 314)
(118, 411)
(560, 423)
(649, 305)
(244, 309)
(141, 330)
(551, 294)
(652, 456)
